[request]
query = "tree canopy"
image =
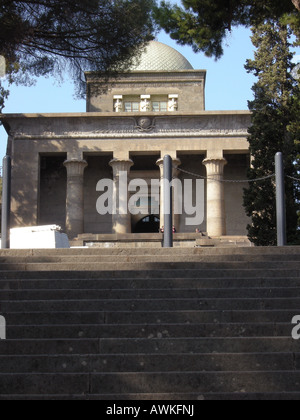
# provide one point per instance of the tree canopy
(275, 128)
(39, 37)
(204, 24)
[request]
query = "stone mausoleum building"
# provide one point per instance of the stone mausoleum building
(156, 109)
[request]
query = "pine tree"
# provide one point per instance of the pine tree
(204, 24)
(275, 110)
(39, 37)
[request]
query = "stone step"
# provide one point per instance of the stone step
(231, 269)
(148, 274)
(204, 259)
(211, 396)
(57, 383)
(50, 347)
(196, 382)
(164, 275)
(144, 318)
(151, 305)
(148, 331)
(138, 324)
(199, 345)
(148, 346)
(254, 251)
(116, 294)
(171, 382)
(48, 282)
(230, 362)
(55, 318)
(201, 316)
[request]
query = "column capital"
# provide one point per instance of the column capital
(120, 165)
(215, 166)
(75, 167)
(176, 162)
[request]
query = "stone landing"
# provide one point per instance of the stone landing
(154, 240)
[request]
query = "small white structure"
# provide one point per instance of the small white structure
(38, 237)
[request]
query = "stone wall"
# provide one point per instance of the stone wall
(98, 168)
(53, 179)
(236, 169)
(188, 85)
(41, 142)
(192, 163)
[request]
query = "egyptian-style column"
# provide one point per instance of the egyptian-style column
(160, 164)
(216, 216)
(121, 218)
(75, 202)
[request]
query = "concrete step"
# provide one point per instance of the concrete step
(227, 362)
(150, 305)
(175, 382)
(148, 331)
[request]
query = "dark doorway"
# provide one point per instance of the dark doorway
(53, 188)
(149, 224)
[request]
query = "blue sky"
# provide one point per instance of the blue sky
(228, 85)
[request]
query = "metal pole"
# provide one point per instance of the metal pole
(168, 202)
(6, 198)
(280, 200)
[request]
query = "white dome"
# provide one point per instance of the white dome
(161, 57)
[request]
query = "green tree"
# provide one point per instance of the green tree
(41, 37)
(204, 24)
(275, 110)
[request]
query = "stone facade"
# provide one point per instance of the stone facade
(188, 85)
(58, 159)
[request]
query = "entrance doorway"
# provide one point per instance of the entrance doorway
(149, 224)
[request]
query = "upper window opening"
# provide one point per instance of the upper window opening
(146, 103)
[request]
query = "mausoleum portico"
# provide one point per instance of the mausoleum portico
(59, 159)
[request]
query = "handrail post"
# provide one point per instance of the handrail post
(6, 200)
(168, 202)
(280, 200)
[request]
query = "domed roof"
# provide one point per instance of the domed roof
(161, 57)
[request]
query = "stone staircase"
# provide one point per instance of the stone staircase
(179, 324)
